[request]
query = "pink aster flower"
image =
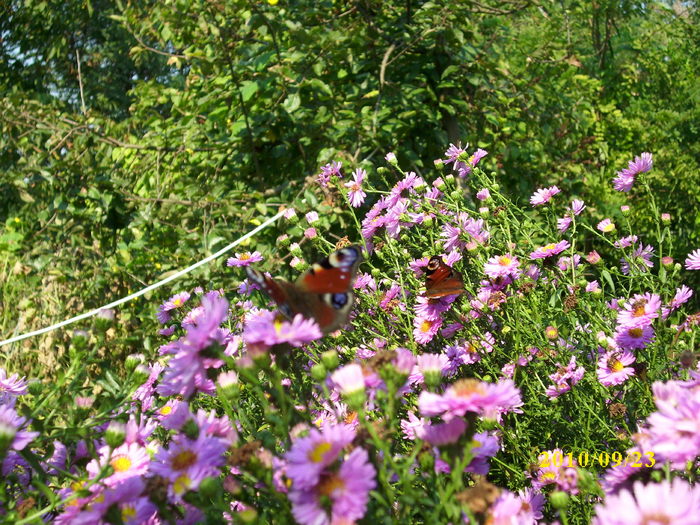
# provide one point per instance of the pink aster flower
(404, 361)
(311, 217)
(640, 311)
(432, 309)
(340, 497)
(310, 455)
(626, 242)
(467, 232)
(577, 206)
(483, 194)
(269, 328)
(502, 266)
(425, 329)
(634, 337)
(593, 286)
(556, 469)
(693, 261)
(356, 196)
(565, 378)
(613, 367)
(606, 226)
(543, 195)
(639, 261)
(349, 379)
(176, 301)
(128, 460)
(523, 508)
(244, 259)
(469, 395)
(549, 250)
(675, 502)
(682, 295)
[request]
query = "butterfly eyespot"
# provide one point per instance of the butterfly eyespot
(338, 300)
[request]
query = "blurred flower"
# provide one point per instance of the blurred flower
(674, 502)
(12, 435)
(559, 470)
(176, 301)
(11, 387)
(470, 395)
(693, 261)
(269, 328)
(311, 217)
(564, 223)
(606, 226)
(328, 171)
(577, 206)
(346, 491)
(483, 194)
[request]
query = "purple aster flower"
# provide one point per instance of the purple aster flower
(432, 309)
(502, 266)
(404, 361)
(549, 250)
(626, 242)
(128, 460)
(577, 206)
(564, 223)
(390, 158)
(311, 217)
(543, 195)
(453, 155)
(443, 433)
(477, 156)
(12, 435)
(356, 196)
(186, 462)
(625, 178)
(310, 455)
(640, 311)
(11, 388)
(693, 261)
(593, 286)
(484, 447)
(606, 226)
(682, 295)
(328, 171)
(244, 259)
(163, 316)
(613, 367)
(269, 328)
(346, 490)
(475, 229)
(310, 233)
(635, 337)
(673, 501)
(640, 260)
(187, 369)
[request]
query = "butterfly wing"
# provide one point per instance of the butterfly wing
(334, 274)
(323, 293)
(441, 280)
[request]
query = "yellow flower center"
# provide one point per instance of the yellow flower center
(608, 227)
(121, 463)
(426, 326)
(177, 302)
(548, 476)
(467, 388)
(548, 247)
(504, 260)
(615, 365)
(128, 513)
(330, 485)
(181, 484)
(635, 332)
(244, 257)
(316, 454)
(164, 411)
(184, 459)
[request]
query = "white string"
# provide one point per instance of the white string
(148, 288)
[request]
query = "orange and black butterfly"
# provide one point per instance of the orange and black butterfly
(322, 293)
(441, 280)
